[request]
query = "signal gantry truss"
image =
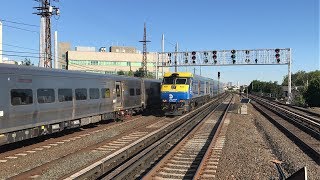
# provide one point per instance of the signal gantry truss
(279, 56)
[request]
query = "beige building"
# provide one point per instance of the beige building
(63, 47)
(119, 59)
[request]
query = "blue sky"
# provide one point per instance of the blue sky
(195, 25)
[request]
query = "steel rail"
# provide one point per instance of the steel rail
(175, 150)
(116, 159)
(206, 156)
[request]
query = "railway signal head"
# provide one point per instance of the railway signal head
(277, 51)
(233, 56)
(214, 56)
(218, 74)
(256, 60)
(247, 51)
(193, 53)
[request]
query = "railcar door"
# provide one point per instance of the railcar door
(119, 94)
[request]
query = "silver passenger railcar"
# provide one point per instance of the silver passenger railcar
(37, 101)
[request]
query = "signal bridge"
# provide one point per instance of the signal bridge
(277, 56)
(225, 57)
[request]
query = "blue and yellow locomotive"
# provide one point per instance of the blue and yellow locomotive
(183, 91)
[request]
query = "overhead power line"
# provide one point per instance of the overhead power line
(20, 23)
(11, 45)
(14, 27)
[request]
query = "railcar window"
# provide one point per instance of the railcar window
(181, 81)
(94, 93)
(105, 93)
(81, 94)
(21, 97)
(131, 92)
(64, 95)
(168, 80)
(138, 92)
(45, 95)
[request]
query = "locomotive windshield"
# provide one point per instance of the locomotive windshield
(175, 80)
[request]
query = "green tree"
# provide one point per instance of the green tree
(26, 62)
(312, 94)
(130, 73)
(139, 73)
(120, 72)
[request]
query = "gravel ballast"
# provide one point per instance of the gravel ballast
(252, 142)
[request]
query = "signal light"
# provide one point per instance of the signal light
(277, 55)
(193, 53)
(218, 74)
(233, 56)
(205, 53)
(214, 57)
(186, 57)
(247, 51)
(169, 54)
(256, 60)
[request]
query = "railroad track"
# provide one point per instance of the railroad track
(195, 151)
(39, 159)
(302, 130)
(307, 121)
(132, 160)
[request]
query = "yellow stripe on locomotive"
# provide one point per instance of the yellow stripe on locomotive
(174, 88)
(178, 74)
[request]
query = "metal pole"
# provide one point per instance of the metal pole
(289, 78)
(175, 58)
(56, 65)
(218, 85)
(157, 67)
(162, 46)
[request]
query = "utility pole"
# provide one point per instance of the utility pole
(162, 47)
(45, 11)
(144, 55)
(175, 58)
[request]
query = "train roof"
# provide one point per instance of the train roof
(185, 74)
(32, 70)
(178, 74)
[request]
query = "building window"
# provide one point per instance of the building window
(131, 92)
(94, 93)
(81, 94)
(64, 95)
(45, 95)
(105, 93)
(21, 97)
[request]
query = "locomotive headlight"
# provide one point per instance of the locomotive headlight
(164, 100)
